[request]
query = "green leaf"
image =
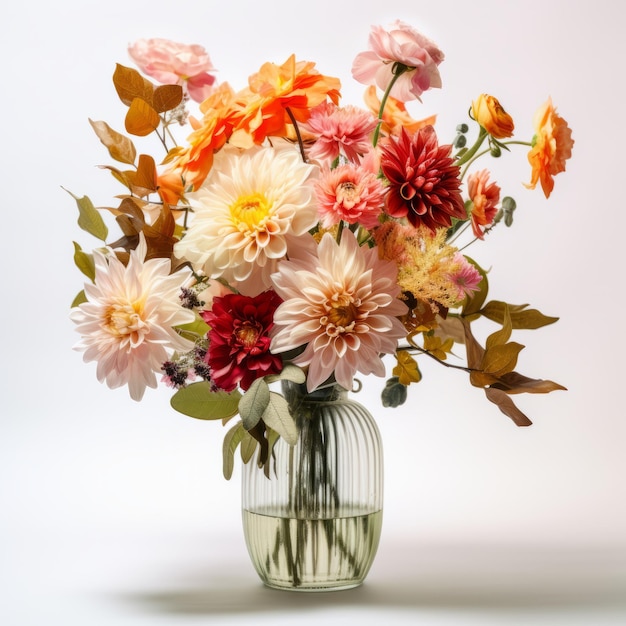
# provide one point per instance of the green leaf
(278, 417)
(89, 218)
(79, 299)
(84, 262)
(253, 403)
(197, 400)
(197, 328)
(231, 440)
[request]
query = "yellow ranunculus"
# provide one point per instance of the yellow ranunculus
(488, 112)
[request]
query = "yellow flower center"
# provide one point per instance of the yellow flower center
(341, 314)
(247, 334)
(250, 212)
(125, 320)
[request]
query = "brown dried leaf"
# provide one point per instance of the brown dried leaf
(130, 84)
(167, 97)
(500, 360)
(521, 317)
(475, 351)
(513, 383)
(507, 406)
(145, 181)
(120, 147)
(141, 118)
(500, 337)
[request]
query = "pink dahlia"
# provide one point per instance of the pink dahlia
(350, 193)
(339, 130)
(340, 303)
(423, 180)
(403, 45)
(239, 341)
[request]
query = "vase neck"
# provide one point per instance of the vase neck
(328, 392)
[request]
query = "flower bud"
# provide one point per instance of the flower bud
(460, 141)
(488, 112)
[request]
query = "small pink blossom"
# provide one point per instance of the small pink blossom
(340, 130)
(350, 193)
(465, 276)
(400, 44)
(173, 63)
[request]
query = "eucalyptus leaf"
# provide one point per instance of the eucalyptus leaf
(253, 403)
(278, 417)
(290, 372)
(248, 446)
(231, 440)
(199, 401)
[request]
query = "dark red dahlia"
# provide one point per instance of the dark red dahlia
(423, 180)
(239, 342)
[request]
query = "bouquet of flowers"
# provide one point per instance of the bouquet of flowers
(292, 237)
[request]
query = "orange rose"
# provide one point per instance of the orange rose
(488, 112)
(552, 146)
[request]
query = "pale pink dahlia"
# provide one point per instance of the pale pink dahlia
(341, 304)
(340, 130)
(349, 193)
(404, 45)
(128, 323)
(251, 209)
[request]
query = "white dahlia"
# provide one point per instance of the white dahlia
(248, 213)
(342, 303)
(127, 324)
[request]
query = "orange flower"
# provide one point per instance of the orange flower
(488, 112)
(552, 146)
(294, 85)
(395, 115)
(485, 196)
(209, 135)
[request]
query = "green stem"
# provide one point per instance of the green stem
(398, 70)
(482, 135)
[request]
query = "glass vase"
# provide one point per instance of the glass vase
(313, 522)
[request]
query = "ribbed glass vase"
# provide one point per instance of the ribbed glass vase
(314, 523)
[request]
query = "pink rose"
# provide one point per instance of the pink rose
(400, 44)
(172, 63)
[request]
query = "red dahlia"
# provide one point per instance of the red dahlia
(423, 180)
(239, 342)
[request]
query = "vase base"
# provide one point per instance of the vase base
(314, 589)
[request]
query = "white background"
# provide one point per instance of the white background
(114, 512)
